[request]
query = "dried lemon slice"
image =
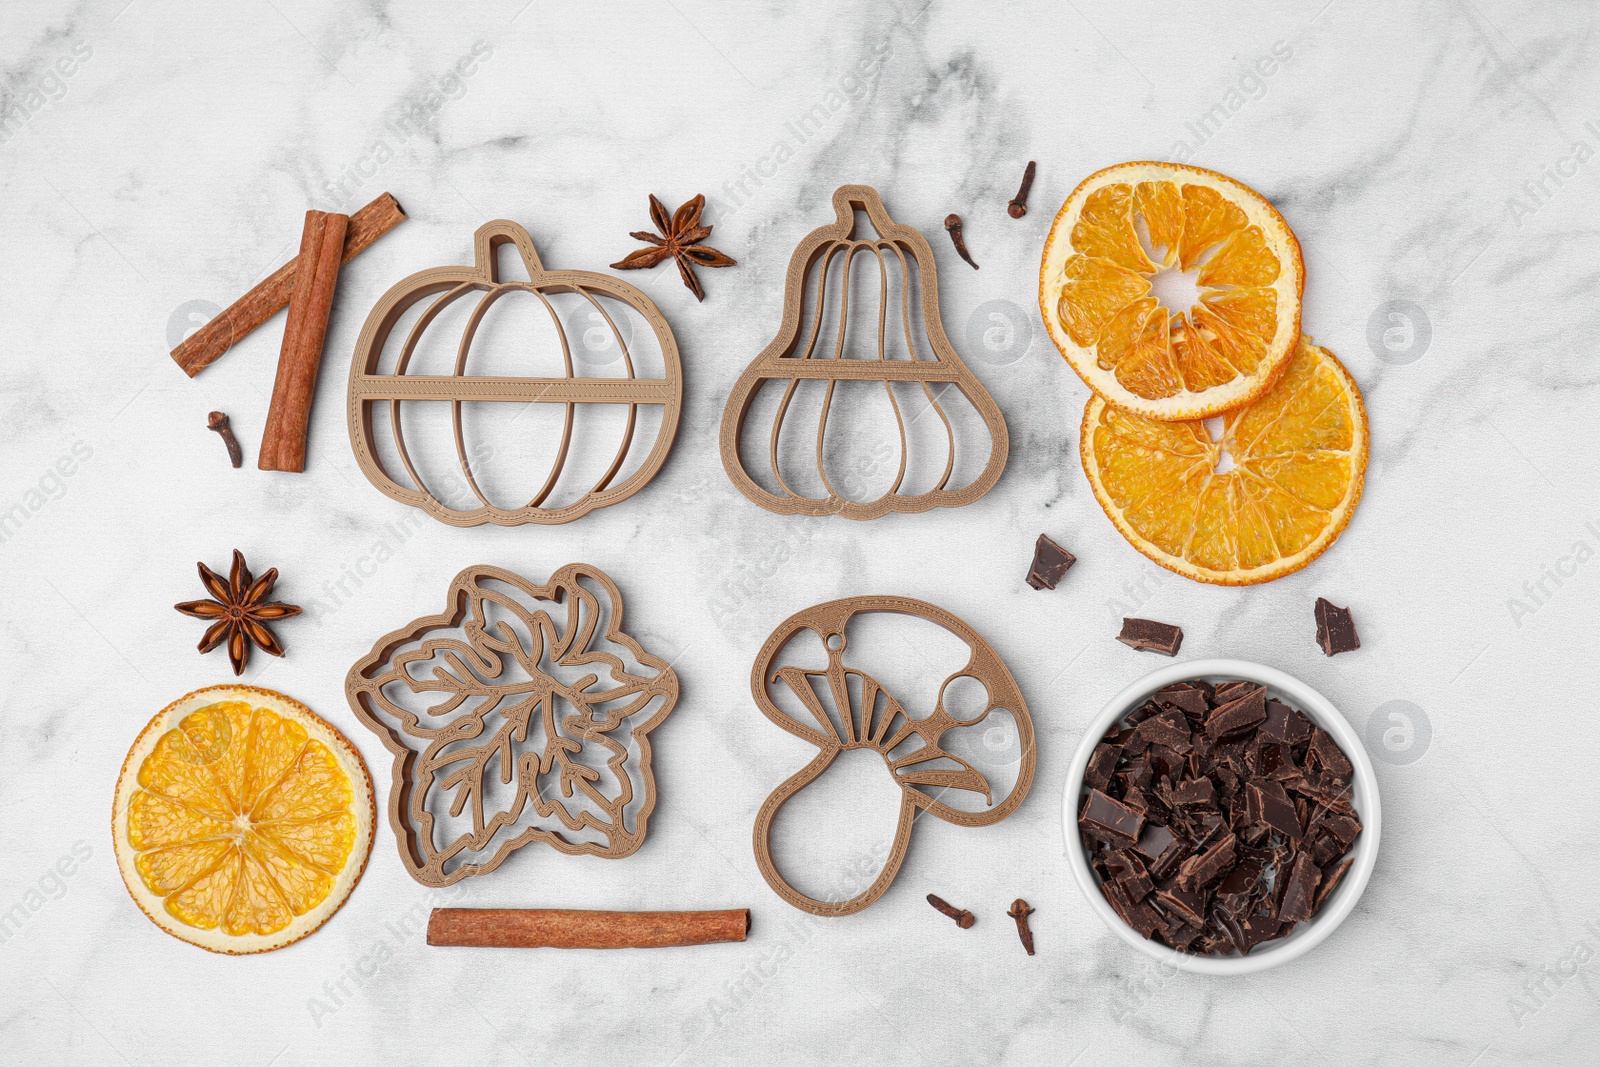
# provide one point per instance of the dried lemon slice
(1121, 237)
(242, 820)
(1264, 500)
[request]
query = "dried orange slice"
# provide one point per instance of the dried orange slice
(1262, 501)
(1132, 232)
(242, 820)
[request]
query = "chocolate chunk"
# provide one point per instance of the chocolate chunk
(1125, 866)
(1276, 762)
(1321, 788)
(1114, 822)
(1101, 763)
(1050, 562)
(1331, 877)
(1169, 728)
(1165, 762)
(1259, 928)
(1135, 799)
(1230, 926)
(1189, 904)
(1117, 897)
(1284, 724)
(1323, 847)
(1299, 897)
(1167, 864)
(1251, 833)
(1135, 774)
(1228, 692)
(1154, 840)
(1157, 810)
(1236, 751)
(1186, 698)
(1208, 826)
(1146, 920)
(1325, 751)
(1201, 870)
(1170, 924)
(1238, 717)
(1241, 885)
(1282, 864)
(1261, 857)
(1195, 793)
(1256, 928)
(1336, 630)
(1342, 827)
(1143, 712)
(1148, 636)
(1181, 937)
(1141, 917)
(1267, 803)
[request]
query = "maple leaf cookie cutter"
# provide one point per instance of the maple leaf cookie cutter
(870, 717)
(368, 389)
(794, 358)
(470, 704)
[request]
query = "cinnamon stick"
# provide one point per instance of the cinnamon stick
(568, 928)
(283, 442)
(202, 348)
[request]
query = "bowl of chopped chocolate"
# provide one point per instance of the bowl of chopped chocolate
(1221, 816)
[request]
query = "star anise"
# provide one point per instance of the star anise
(241, 611)
(679, 240)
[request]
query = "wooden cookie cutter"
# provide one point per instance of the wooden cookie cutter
(786, 360)
(368, 388)
(866, 726)
(496, 684)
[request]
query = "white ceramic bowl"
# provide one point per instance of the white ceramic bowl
(1364, 790)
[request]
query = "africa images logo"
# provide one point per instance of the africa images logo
(1399, 332)
(1251, 84)
(23, 105)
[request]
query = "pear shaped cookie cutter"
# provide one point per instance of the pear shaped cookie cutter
(791, 357)
(870, 717)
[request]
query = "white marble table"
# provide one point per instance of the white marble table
(156, 160)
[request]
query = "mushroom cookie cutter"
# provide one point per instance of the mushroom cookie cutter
(868, 716)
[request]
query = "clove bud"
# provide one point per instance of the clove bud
(1019, 203)
(219, 422)
(962, 916)
(952, 222)
(1020, 912)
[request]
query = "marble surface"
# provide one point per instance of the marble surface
(1437, 161)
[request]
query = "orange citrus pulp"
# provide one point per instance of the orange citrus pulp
(1266, 498)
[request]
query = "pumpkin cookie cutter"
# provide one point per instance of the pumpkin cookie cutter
(368, 388)
(876, 720)
(790, 357)
(515, 649)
